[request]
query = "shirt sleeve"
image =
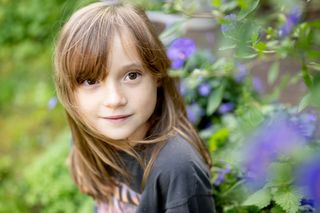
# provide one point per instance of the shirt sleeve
(178, 183)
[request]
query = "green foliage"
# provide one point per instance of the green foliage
(27, 124)
(253, 32)
(260, 198)
(289, 200)
(48, 184)
(215, 99)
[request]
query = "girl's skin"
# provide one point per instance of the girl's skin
(120, 105)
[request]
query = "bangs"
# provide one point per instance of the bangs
(147, 43)
(86, 52)
(86, 42)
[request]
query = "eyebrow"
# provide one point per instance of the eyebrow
(132, 65)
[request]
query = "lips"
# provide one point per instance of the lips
(117, 117)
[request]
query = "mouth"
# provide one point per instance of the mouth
(117, 118)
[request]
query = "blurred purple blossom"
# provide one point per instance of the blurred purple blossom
(221, 174)
(307, 202)
(274, 138)
(177, 64)
(306, 124)
(292, 20)
(204, 89)
(179, 51)
(226, 107)
(242, 72)
(230, 23)
(194, 112)
(307, 205)
(308, 178)
(258, 85)
(52, 103)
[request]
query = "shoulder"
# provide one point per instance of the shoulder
(178, 156)
(179, 173)
(179, 180)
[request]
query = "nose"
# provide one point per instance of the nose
(113, 96)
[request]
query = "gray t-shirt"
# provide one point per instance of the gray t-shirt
(179, 181)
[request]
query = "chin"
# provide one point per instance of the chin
(117, 136)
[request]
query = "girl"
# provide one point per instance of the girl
(133, 148)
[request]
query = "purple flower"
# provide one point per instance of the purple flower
(52, 103)
(274, 138)
(230, 23)
(179, 51)
(306, 124)
(204, 89)
(194, 112)
(221, 175)
(293, 19)
(242, 72)
(258, 85)
(307, 205)
(225, 108)
(307, 202)
(308, 178)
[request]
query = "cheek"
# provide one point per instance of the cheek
(146, 98)
(84, 103)
(152, 100)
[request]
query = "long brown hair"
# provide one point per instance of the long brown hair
(82, 53)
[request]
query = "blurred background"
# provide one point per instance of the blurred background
(249, 74)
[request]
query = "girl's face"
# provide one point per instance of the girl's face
(120, 105)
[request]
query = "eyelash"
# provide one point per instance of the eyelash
(91, 82)
(137, 73)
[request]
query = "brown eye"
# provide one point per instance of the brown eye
(132, 76)
(89, 82)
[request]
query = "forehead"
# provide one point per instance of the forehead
(123, 47)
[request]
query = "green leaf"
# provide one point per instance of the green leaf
(315, 95)
(223, 48)
(305, 101)
(218, 139)
(288, 200)
(306, 76)
(260, 198)
(244, 13)
(254, 37)
(216, 3)
(174, 31)
(177, 73)
(277, 90)
(215, 99)
(273, 73)
(260, 47)
(277, 209)
(280, 173)
(315, 66)
(250, 120)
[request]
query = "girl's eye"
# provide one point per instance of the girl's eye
(89, 82)
(131, 76)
